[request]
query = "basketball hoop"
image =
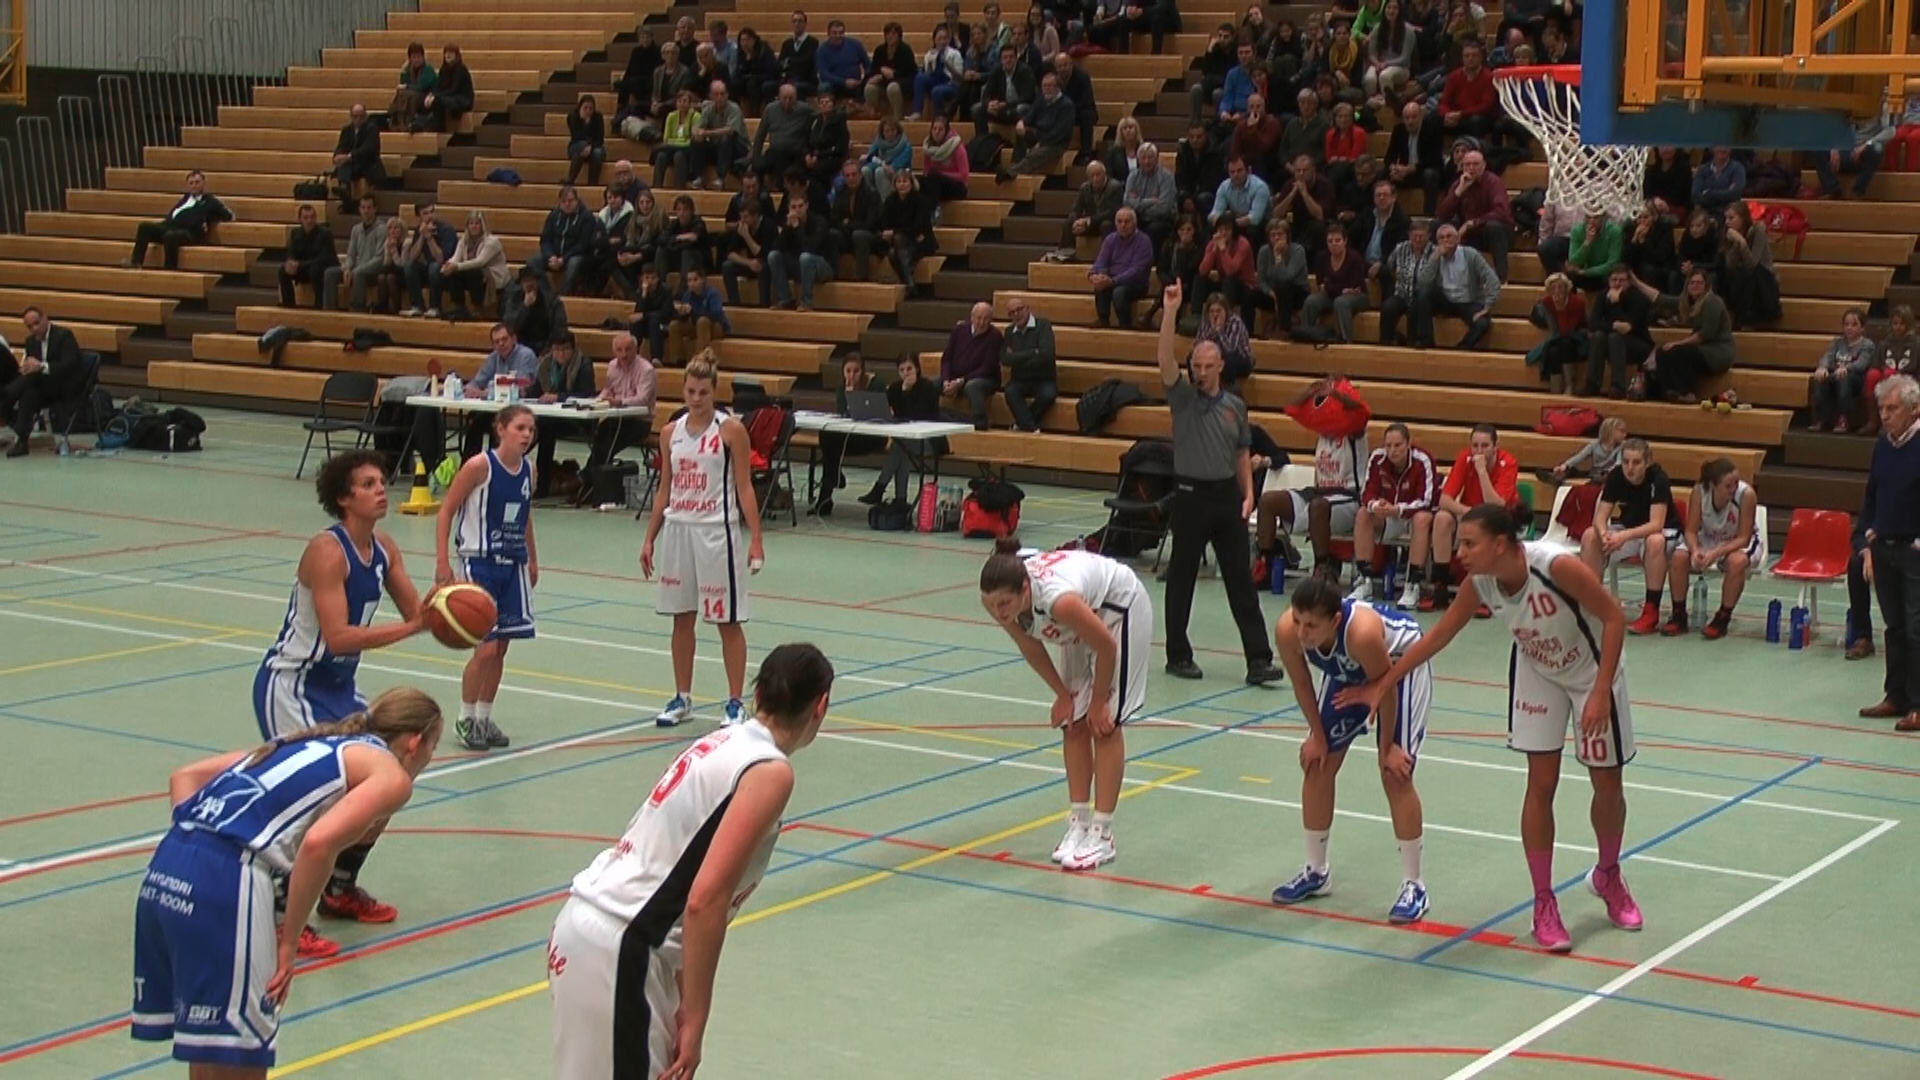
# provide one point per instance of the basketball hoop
(1580, 178)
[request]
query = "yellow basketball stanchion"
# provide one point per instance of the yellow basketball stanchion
(421, 501)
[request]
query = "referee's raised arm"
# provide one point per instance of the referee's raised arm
(1169, 324)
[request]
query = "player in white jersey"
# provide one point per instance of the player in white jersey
(209, 972)
(1350, 642)
(634, 951)
(704, 560)
(1098, 613)
(488, 518)
(1719, 534)
(307, 675)
(1568, 634)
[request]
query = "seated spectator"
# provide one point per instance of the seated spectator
(1027, 352)
(1042, 32)
(533, 311)
(1404, 276)
(1242, 199)
(724, 50)
(675, 148)
(970, 364)
(1414, 155)
(1599, 457)
(1477, 203)
(1841, 373)
(1092, 215)
(357, 166)
(510, 359)
(565, 240)
(1308, 201)
(635, 85)
(1482, 473)
(836, 445)
(829, 142)
(1042, 138)
(890, 76)
(477, 264)
(1595, 249)
(1123, 271)
(1861, 158)
(429, 250)
(1179, 260)
(719, 139)
(416, 81)
(946, 166)
(1669, 181)
(1674, 370)
(780, 142)
(1217, 65)
(756, 71)
(1334, 411)
(698, 313)
(1228, 270)
(1344, 144)
(1747, 278)
(802, 251)
(674, 76)
(638, 244)
(1199, 168)
(911, 398)
(390, 282)
(1898, 355)
(1390, 58)
(1396, 506)
(982, 59)
(365, 258)
(652, 312)
(1697, 249)
(1255, 137)
(854, 219)
(937, 81)
(51, 372)
(565, 372)
(1381, 229)
(1152, 195)
(1156, 17)
(1647, 248)
(841, 64)
(451, 97)
(906, 227)
(1636, 519)
(1562, 314)
(1123, 156)
(890, 152)
(189, 222)
(310, 254)
(684, 246)
(748, 243)
(1077, 88)
(1718, 534)
(1306, 132)
(1458, 282)
(1719, 181)
(586, 140)
(612, 227)
(1621, 335)
(1342, 278)
(1008, 94)
(1226, 329)
(1282, 279)
(799, 63)
(1469, 103)
(707, 68)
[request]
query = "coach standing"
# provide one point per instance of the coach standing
(1890, 520)
(1213, 497)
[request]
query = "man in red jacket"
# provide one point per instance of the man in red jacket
(1469, 104)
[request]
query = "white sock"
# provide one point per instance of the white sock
(1317, 849)
(1079, 813)
(1102, 823)
(466, 710)
(483, 711)
(1410, 859)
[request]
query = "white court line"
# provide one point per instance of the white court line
(1545, 1027)
(1264, 801)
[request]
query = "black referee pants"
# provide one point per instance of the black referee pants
(1207, 514)
(1896, 579)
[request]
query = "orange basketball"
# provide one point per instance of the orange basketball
(461, 615)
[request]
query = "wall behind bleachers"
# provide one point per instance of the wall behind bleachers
(227, 37)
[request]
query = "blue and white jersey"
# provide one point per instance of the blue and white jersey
(492, 523)
(266, 808)
(1338, 666)
(300, 648)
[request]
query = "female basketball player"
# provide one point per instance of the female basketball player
(1567, 638)
(489, 512)
(1095, 609)
(307, 677)
(703, 565)
(209, 972)
(635, 949)
(1351, 641)
(1719, 533)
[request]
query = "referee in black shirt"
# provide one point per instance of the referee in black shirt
(1213, 497)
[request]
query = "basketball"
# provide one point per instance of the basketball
(460, 616)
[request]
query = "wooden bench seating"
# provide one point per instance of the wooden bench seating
(225, 185)
(110, 253)
(97, 337)
(232, 136)
(460, 23)
(286, 119)
(182, 158)
(258, 235)
(478, 9)
(145, 205)
(380, 83)
(471, 38)
(1858, 284)
(375, 95)
(390, 61)
(833, 327)
(88, 307)
(113, 281)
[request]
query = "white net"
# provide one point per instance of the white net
(1580, 178)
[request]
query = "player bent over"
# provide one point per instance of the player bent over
(1567, 638)
(1350, 642)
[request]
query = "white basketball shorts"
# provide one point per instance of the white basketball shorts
(614, 999)
(702, 568)
(1542, 710)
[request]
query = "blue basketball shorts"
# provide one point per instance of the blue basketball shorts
(1407, 704)
(512, 592)
(286, 702)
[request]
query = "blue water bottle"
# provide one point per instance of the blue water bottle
(1797, 631)
(1277, 567)
(1773, 622)
(1393, 573)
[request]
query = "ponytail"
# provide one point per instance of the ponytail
(397, 713)
(1005, 571)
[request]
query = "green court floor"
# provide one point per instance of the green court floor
(912, 925)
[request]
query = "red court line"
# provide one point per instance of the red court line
(103, 804)
(138, 549)
(1432, 1051)
(1487, 938)
(916, 594)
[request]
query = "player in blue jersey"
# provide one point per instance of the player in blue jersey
(488, 519)
(307, 677)
(1351, 642)
(209, 972)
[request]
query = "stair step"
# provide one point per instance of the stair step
(1055, 204)
(1004, 258)
(975, 284)
(886, 344)
(138, 352)
(123, 380)
(226, 299)
(938, 316)
(1809, 450)
(427, 180)
(1165, 130)
(461, 157)
(182, 325)
(1819, 489)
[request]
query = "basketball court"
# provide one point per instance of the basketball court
(911, 924)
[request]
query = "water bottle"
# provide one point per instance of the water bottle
(1393, 572)
(1797, 631)
(1699, 594)
(1277, 569)
(453, 384)
(1773, 622)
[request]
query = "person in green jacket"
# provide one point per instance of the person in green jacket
(1595, 251)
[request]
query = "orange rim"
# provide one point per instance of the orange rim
(1564, 74)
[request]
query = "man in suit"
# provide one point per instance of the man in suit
(1415, 158)
(51, 372)
(187, 223)
(356, 157)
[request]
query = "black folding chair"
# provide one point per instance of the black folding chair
(62, 416)
(1139, 507)
(346, 405)
(777, 474)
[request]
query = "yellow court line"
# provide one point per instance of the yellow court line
(117, 654)
(748, 919)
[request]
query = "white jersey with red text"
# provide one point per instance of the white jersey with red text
(700, 492)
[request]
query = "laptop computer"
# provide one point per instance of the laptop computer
(869, 405)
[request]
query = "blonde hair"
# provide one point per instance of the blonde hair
(1612, 425)
(397, 713)
(1558, 279)
(704, 365)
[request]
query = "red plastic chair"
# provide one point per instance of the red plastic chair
(1819, 546)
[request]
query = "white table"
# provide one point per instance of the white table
(540, 410)
(917, 436)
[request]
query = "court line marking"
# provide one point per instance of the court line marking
(874, 878)
(888, 684)
(1264, 801)
(1628, 978)
(115, 654)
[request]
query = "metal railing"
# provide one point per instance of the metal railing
(269, 36)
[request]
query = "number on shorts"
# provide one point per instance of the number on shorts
(1542, 605)
(1593, 747)
(716, 608)
(683, 764)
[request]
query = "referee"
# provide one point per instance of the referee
(1213, 497)
(1890, 520)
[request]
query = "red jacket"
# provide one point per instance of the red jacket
(1413, 490)
(1463, 483)
(1469, 96)
(1485, 201)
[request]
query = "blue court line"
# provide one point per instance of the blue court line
(130, 684)
(90, 729)
(1706, 815)
(64, 889)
